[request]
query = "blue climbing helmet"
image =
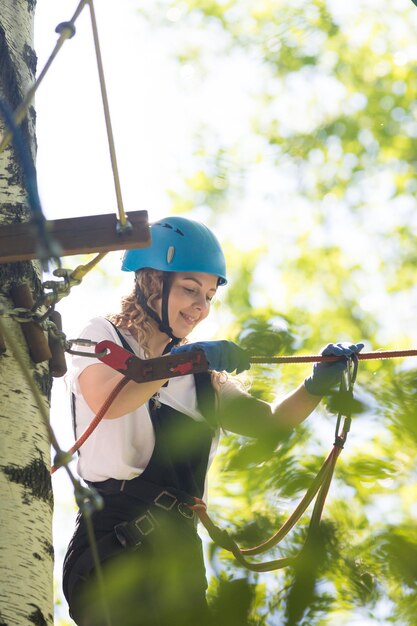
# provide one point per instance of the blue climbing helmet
(179, 245)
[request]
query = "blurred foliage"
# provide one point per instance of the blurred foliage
(310, 177)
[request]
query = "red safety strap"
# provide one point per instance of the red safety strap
(319, 487)
(66, 456)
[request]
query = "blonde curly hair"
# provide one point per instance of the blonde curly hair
(132, 317)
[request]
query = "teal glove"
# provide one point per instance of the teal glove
(221, 355)
(326, 375)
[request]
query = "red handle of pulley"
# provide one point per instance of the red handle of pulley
(116, 356)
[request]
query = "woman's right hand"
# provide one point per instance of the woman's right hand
(221, 355)
(326, 374)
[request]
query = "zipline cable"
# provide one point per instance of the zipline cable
(313, 358)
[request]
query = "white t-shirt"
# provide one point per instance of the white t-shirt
(121, 448)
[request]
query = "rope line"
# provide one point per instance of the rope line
(298, 512)
(124, 224)
(311, 358)
(93, 424)
(78, 274)
(319, 487)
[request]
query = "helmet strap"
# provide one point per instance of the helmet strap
(164, 303)
(166, 287)
(163, 324)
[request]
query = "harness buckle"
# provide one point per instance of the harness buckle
(185, 510)
(165, 500)
(126, 537)
(145, 524)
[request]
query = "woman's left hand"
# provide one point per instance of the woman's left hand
(221, 355)
(325, 375)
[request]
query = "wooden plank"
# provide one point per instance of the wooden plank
(76, 235)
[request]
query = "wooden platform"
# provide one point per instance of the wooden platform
(76, 235)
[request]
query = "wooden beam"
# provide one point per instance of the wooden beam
(76, 235)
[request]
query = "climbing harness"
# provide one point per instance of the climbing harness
(134, 369)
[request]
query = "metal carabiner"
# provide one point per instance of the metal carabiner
(351, 372)
(88, 343)
(346, 389)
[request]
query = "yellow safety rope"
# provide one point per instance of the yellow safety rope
(78, 274)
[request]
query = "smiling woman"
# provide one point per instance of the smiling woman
(191, 295)
(150, 456)
(155, 443)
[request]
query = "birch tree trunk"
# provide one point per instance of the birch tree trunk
(26, 553)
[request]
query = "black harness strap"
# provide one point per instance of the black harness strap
(126, 346)
(124, 341)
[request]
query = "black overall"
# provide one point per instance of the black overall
(150, 553)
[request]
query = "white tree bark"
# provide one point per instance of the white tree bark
(26, 553)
